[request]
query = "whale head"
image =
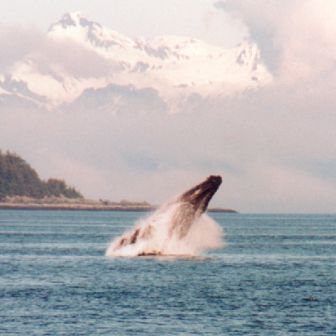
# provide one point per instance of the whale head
(200, 195)
(192, 204)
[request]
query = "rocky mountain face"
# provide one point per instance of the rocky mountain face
(82, 64)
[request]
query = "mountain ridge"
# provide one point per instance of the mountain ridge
(85, 55)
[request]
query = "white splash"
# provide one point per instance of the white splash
(153, 236)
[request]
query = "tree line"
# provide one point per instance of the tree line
(18, 178)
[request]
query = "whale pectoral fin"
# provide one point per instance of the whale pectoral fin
(134, 236)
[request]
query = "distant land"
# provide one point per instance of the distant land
(22, 189)
(18, 178)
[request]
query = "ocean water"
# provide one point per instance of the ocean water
(276, 275)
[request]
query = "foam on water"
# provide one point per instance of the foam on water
(204, 234)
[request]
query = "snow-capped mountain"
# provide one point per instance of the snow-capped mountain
(81, 58)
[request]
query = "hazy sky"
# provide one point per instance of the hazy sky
(275, 147)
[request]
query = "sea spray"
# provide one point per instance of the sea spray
(179, 227)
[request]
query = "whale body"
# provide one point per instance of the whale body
(171, 223)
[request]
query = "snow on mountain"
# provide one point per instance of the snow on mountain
(82, 56)
(82, 30)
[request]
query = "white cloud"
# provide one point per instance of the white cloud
(27, 43)
(297, 35)
(15, 43)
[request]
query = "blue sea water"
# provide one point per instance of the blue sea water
(275, 276)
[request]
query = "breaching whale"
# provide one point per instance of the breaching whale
(169, 224)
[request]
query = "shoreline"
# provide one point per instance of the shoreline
(87, 207)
